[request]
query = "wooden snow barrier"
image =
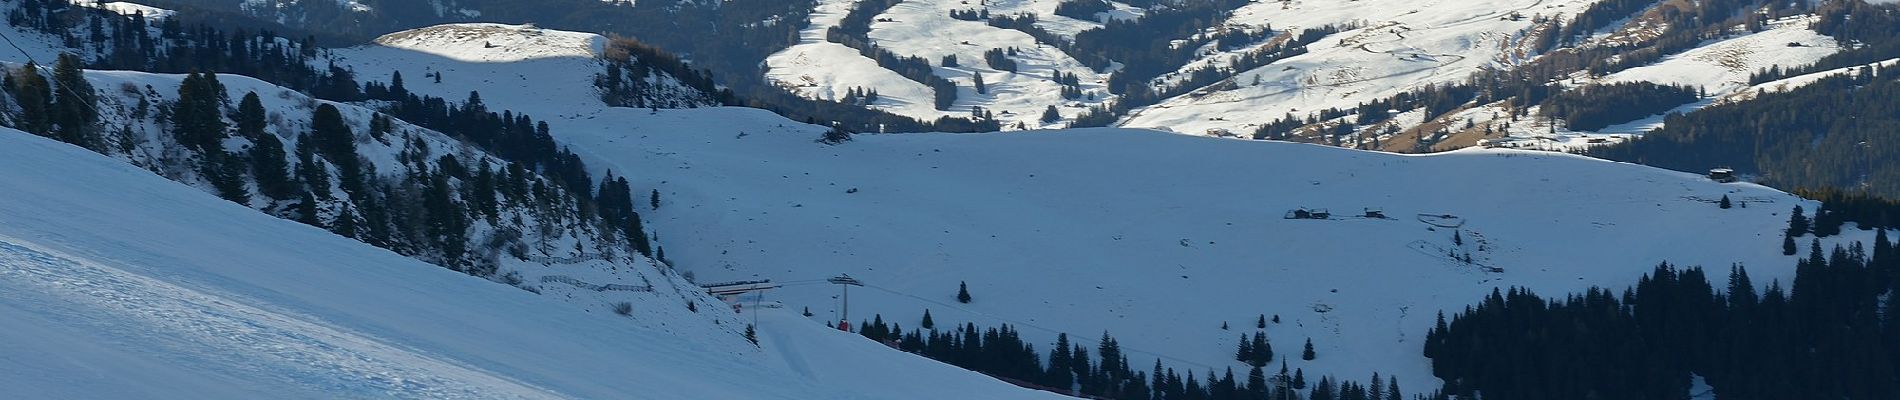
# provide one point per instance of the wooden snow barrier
(1442, 220)
(611, 287)
(568, 260)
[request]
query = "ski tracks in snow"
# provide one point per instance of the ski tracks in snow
(220, 335)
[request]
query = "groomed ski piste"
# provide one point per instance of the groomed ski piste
(1153, 237)
(120, 284)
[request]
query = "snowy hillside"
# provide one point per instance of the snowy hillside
(1156, 238)
(552, 69)
(1160, 239)
(1402, 45)
(1722, 66)
(122, 284)
(818, 69)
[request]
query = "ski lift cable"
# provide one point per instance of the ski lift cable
(56, 82)
(1072, 336)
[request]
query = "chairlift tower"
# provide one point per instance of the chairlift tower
(845, 282)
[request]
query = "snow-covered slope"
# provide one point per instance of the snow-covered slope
(1153, 237)
(1723, 66)
(121, 284)
(819, 69)
(1160, 239)
(550, 69)
(1402, 45)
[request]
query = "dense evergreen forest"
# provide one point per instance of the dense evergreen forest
(1823, 336)
(1835, 133)
(1584, 108)
(1068, 367)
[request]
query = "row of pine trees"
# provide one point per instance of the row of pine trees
(1831, 333)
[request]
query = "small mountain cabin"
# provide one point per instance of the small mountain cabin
(1724, 175)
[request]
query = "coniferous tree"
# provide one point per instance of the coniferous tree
(1244, 351)
(1797, 223)
(1262, 350)
(1257, 383)
(1377, 391)
(225, 172)
(34, 94)
(76, 108)
(1787, 245)
(1260, 323)
(963, 292)
(928, 323)
(197, 119)
(1308, 353)
(1061, 372)
(1051, 115)
(751, 334)
(1724, 203)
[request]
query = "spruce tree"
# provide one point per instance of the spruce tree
(197, 119)
(1378, 388)
(1257, 383)
(77, 103)
(653, 199)
(1061, 374)
(1308, 353)
(1244, 351)
(928, 323)
(1051, 115)
(1261, 323)
(250, 117)
(963, 292)
(35, 97)
(1797, 223)
(1724, 204)
(1787, 245)
(751, 335)
(226, 174)
(1262, 350)
(333, 140)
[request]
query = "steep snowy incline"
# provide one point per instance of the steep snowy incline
(1159, 239)
(122, 284)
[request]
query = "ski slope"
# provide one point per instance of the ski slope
(1160, 239)
(121, 284)
(1156, 238)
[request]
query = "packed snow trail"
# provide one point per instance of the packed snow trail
(222, 336)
